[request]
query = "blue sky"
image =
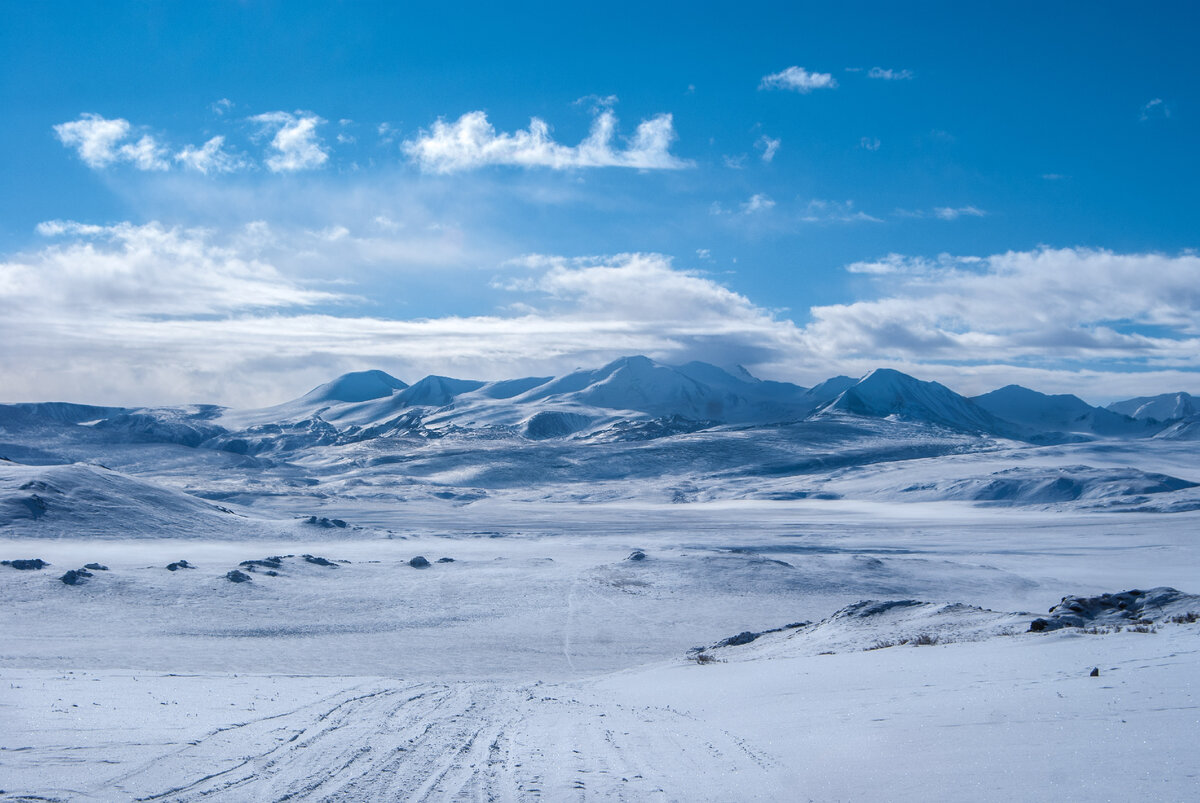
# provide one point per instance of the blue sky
(234, 201)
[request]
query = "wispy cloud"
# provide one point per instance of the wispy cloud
(768, 146)
(798, 79)
(472, 142)
(869, 143)
(294, 140)
(1155, 109)
(759, 202)
(955, 212)
(889, 74)
(821, 211)
(211, 157)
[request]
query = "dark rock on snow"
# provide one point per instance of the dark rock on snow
(96, 567)
(26, 565)
(419, 562)
(234, 576)
(179, 564)
(75, 576)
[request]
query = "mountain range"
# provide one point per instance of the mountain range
(629, 398)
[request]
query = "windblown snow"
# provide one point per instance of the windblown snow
(635, 582)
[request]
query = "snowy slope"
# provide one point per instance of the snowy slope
(86, 500)
(1165, 407)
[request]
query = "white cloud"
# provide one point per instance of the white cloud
(889, 75)
(757, 203)
(953, 213)
(798, 79)
(1043, 309)
(137, 271)
(152, 314)
(295, 141)
(100, 142)
(1155, 108)
(869, 143)
(221, 106)
(734, 162)
(472, 142)
(768, 146)
(211, 157)
(820, 211)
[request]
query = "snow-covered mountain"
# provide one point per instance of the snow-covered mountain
(1064, 413)
(1164, 407)
(885, 393)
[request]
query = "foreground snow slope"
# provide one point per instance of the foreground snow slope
(1015, 717)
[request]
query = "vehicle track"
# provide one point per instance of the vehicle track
(458, 742)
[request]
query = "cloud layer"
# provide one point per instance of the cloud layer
(154, 314)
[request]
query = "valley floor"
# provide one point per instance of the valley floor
(544, 663)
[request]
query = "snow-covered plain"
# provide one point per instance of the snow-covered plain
(603, 534)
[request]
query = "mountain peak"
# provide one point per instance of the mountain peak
(887, 392)
(356, 386)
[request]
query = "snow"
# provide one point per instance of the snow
(885, 392)
(884, 544)
(1165, 407)
(354, 387)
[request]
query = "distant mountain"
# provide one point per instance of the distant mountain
(1165, 407)
(1059, 413)
(358, 386)
(885, 392)
(696, 391)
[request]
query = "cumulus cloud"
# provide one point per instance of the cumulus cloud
(798, 79)
(100, 142)
(889, 74)
(294, 141)
(472, 142)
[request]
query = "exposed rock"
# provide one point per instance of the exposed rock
(1127, 607)
(324, 522)
(75, 576)
(419, 562)
(96, 567)
(636, 554)
(319, 561)
(179, 564)
(445, 560)
(25, 565)
(234, 576)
